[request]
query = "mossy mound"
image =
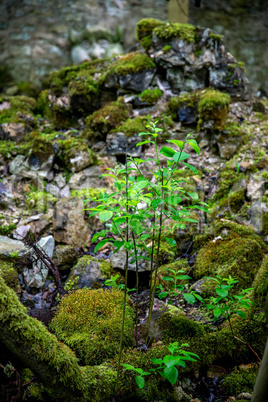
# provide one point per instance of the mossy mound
(237, 251)
(12, 107)
(132, 126)
(151, 96)
(240, 380)
(40, 201)
(89, 321)
(9, 274)
(213, 105)
(108, 117)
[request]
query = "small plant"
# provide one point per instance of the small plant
(166, 366)
(113, 283)
(176, 288)
(225, 305)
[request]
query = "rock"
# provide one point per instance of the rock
(256, 187)
(21, 232)
(10, 247)
(114, 49)
(65, 192)
(137, 82)
(87, 178)
(258, 217)
(65, 257)
(32, 167)
(79, 54)
(60, 181)
(80, 161)
(118, 261)
(120, 144)
(53, 190)
(244, 395)
(89, 273)
(12, 131)
(36, 276)
(69, 225)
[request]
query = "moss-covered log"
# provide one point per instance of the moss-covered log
(53, 362)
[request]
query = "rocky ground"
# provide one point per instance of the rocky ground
(53, 150)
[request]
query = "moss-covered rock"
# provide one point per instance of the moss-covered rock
(108, 117)
(235, 250)
(151, 96)
(40, 201)
(89, 321)
(240, 380)
(213, 108)
(9, 273)
(12, 107)
(132, 126)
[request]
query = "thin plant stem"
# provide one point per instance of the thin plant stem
(137, 289)
(125, 292)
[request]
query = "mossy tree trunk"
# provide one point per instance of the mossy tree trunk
(53, 362)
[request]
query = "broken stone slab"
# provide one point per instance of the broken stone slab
(36, 276)
(10, 247)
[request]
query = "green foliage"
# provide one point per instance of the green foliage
(166, 366)
(9, 274)
(226, 304)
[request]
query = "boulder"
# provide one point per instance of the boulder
(120, 144)
(65, 257)
(89, 271)
(87, 178)
(69, 225)
(10, 248)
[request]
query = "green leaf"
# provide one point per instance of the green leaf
(189, 298)
(102, 233)
(194, 145)
(156, 203)
(136, 226)
(217, 313)
(157, 361)
(118, 244)
(101, 243)
(192, 168)
(190, 220)
(180, 156)
(170, 360)
(167, 151)
(201, 208)
(173, 200)
(171, 374)
(222, 292)
(139, 186)
(194, 196)
(183, 277)
(128, 366)
(170, 241)
(143, 142)
(105, 215)
(241, 314)
(176, 142)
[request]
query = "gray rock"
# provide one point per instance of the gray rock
(53, 190)
(21, 232)
(256, 187)
(118, 261)
(258, 216)
(120, 144)
(87, 178)
(9, 247)
(137, 82)
(80, 161)
(65, 192)
(12, 131)
(36, 276)
(88, 270)
(60, 181)
(69, 225)
(114, 49)
(79, 54)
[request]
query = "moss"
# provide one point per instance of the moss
(167, 48)
(146, 26)
(177, 326)
(185, 32)
(229, 205)
(132, 126)
(89, 321)
(151, 96)
(260, 283)
(108, 117)
(7, 229)
(227, 179)
(238, 254)
(40, 201)
(34, 389)
(167, 253)
(240, 380)
(101, 382)
(213, 105)
(215, 36)
(15, 106)
(27, 89)
(9, 274)
(131, 63)
(88, 192)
